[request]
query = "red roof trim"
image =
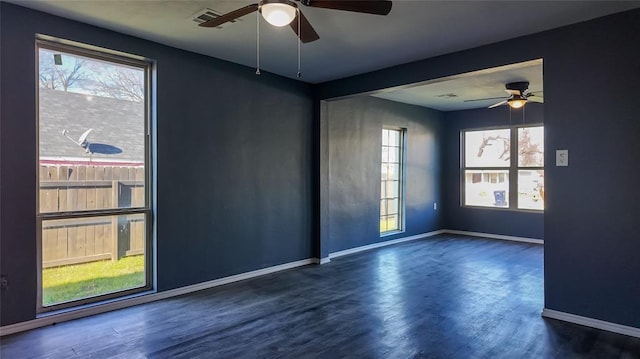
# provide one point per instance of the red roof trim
(91, 163)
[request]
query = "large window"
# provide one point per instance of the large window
(93, 188)
(504, 168)
(391, 189)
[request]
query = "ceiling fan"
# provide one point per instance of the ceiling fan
(284, 12)
(519, 95)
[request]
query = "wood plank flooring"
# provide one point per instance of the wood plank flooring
(442, 297)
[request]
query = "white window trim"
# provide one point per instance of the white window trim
(401, 181)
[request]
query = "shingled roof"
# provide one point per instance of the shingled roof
(118, 127)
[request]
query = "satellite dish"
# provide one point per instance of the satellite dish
(82, 140)
(83, 137)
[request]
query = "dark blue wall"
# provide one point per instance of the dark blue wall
(233, 164)
(591, 221)
(353, 156)
(494, 221)
(592, 215)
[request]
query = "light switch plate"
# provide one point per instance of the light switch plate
(562, 158)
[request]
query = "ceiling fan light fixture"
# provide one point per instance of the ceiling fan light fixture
(278, 13)
(517, 101)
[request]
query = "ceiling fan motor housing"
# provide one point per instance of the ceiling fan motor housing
(521, 86)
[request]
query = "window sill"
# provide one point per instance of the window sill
(91, 307)
(390, 233)
(506, 209)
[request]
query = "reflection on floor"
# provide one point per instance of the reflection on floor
(442, 297)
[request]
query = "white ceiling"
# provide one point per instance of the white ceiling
(350, 43)
(450, 93)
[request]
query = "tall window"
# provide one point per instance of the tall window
(504, 168)
(93, 189)
(391, 189)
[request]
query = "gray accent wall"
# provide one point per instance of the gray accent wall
(591, 220)
(232, 156)
(494, 220)
(353, 141)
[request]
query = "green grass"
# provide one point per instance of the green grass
(63, 284)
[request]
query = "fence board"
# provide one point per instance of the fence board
(47, 247)
(103, 194)
(137, 234)
(67, 188)
(53, 173)
(75, 248)
(108, 173)
(107, 239)
(62, 241)
(82, 191)
(72, 173)
(90, 240)
(91, 191)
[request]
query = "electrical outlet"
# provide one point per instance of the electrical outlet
(4, 282)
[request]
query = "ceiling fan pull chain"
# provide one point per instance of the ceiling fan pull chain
(510, 109)
(257, 43)
(299, 74)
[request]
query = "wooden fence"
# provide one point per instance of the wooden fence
(81, 187)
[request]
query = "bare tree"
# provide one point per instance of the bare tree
(97, 77)
(71, 76)
(121, 83)
(529, 153)
(62, 77)
(506, 143)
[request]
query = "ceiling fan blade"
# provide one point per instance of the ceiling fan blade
(537, 99)
(498, 104)
(513, 92)
(230, 16)
(376, 7)
(486, 99)
(308, 34)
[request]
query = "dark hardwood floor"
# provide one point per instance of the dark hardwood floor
(442, 297)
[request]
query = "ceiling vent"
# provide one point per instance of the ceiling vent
(207, 14)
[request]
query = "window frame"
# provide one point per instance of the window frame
(402, 144)
(120, 58)
(513, 168)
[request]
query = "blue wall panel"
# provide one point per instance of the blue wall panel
(353, 161)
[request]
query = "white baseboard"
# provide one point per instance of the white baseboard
(382, 244)
(494, 236)
(590, 322)
(49, 319)
(321, 260)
